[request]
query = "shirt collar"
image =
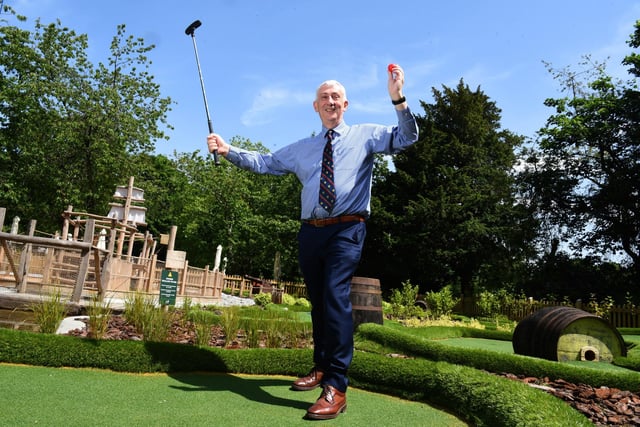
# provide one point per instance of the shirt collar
(341, 129)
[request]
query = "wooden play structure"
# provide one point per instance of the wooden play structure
(94, 255)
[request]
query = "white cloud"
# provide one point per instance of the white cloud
(269, 101)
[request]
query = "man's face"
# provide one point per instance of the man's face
(330, 104)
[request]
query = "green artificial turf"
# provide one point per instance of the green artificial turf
(480, 343)
(34, 395)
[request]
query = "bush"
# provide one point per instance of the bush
(441, 303)
(288, 299)
(403, 301)
(262, 299)
(303, 302)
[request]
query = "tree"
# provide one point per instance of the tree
(449, 214)
(67, 127)
(584, 177)
(252, 216)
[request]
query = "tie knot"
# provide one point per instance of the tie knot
(330, 134)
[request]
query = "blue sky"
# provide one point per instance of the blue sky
(262, 60)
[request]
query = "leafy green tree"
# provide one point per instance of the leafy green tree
(67, 127)
(448, 214)
(166, 190)
(252, 216)
(584, 178)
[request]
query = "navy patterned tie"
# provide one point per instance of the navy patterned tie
(327, 188)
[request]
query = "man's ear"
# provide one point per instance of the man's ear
(345, 105)
(315, 106)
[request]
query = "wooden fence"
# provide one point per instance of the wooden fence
(620, 316)
(247, 286)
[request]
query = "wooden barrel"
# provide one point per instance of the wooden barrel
(366, 301)
(565, 334)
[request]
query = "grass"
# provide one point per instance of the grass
(480, 343)
(81, 397)
(49, 312)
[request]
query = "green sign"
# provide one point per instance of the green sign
(168, 287)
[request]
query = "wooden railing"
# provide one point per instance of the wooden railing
(247, 285)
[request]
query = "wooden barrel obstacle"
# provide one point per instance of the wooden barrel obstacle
(366, 301)
(566, 334)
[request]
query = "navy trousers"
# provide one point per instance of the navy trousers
(328, 259)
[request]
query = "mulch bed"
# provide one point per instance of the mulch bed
(603, 406)
(180, 333)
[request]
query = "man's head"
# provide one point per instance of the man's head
(331, 103)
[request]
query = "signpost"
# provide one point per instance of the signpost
(168, 287)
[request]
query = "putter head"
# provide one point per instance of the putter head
(191, 28)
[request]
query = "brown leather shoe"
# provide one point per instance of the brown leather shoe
(309, 382)
(330, 404)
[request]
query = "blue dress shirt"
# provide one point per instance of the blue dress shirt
(353, 154)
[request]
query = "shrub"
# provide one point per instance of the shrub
(403, 301)
(262, 299)
(288, 299)
(303, 302)
(600, 308)
(441, 303)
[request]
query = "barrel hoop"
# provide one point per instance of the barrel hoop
(365, 281)
(365, 308)
(367, 291)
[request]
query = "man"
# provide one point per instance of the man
(335, 169)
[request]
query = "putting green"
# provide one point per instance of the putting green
(81, 397)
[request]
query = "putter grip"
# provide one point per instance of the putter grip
(215, 152)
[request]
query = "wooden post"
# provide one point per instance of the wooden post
(132, 239)
(152, 272)
(3, 212)
(84, 262)
(153, 250)
(25, 259)
(97, 272)
(183, 282)
(105, 276)
(112, 238)
(172, 237)
(125, 215)
(65, 225)
(143, 252)
(76, 229)
(205, 280)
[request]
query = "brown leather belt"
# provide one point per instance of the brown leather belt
(323, 222)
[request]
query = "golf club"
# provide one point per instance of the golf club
(190, 31)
